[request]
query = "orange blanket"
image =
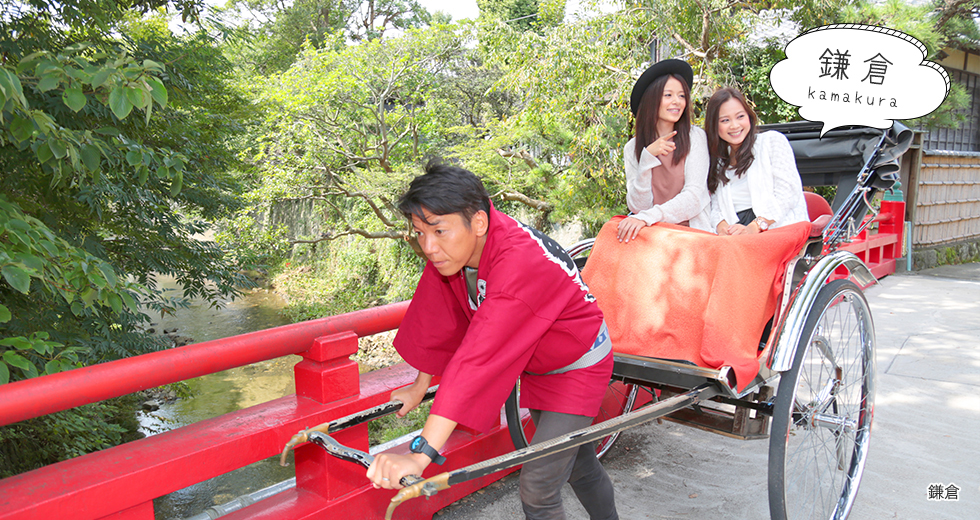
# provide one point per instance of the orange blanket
(678, 293)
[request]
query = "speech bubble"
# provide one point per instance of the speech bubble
(852, 74)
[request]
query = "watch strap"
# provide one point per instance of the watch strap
(420, 445)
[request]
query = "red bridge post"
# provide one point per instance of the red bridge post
(325, 375)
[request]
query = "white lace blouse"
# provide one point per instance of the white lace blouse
(774, 184)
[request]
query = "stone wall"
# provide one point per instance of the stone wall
(957, 253)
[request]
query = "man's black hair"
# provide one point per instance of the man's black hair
(445, 189)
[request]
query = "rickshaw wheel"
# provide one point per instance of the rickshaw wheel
(619, 399)
(821, 424)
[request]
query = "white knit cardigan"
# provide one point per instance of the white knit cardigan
(774, 185)
(691, 204)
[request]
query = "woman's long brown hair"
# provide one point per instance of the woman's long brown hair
(646, 119)
(718, 148)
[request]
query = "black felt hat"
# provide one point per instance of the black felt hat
(661, 68)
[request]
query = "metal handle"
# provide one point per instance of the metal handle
(356, 456)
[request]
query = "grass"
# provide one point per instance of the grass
(391, 427)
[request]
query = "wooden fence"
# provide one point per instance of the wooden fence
(947, 201)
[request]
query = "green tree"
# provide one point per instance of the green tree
(956, 21)
(278, 31)
(348, 128)
(344, 125)
(956, 25)
(524, 15)
(113, 152)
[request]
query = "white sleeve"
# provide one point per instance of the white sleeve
(639, 194)
(786, 182)
(715, 216)
(693, 198)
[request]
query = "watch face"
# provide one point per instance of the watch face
(416, 444)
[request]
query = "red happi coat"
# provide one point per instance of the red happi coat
(536, 316)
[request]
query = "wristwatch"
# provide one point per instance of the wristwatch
(420, 445)
(762, 223)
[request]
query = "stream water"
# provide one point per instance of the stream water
(224, 392)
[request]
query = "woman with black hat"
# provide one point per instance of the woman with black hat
(667, 161)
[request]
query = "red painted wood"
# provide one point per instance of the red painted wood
(366, 502)
(52, 393)
(880, 250)
(142, 511)
(326, 373)
(98, 484)
(118, 479)
(120, 483)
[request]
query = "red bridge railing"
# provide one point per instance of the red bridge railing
(880, 251)
(121, 482)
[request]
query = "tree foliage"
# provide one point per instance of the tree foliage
(956, 20)
(523, 15)
(343, 127)
(272, 46)
(115, 149)
(95, 197)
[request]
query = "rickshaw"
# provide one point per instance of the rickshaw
(817, 369)
(816, 377)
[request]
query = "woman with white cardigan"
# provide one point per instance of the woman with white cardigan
(666, 162)
(752, 178)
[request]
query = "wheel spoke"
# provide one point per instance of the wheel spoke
(823, 404)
